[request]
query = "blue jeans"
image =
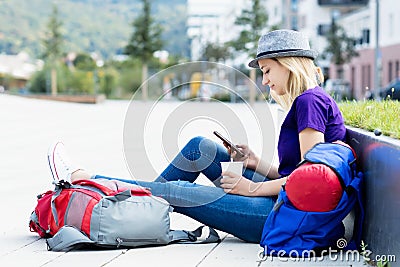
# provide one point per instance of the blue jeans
(241, 216)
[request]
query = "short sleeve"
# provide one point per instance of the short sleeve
(311, 112)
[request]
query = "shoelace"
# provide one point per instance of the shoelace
(63, 162)
(66, 167)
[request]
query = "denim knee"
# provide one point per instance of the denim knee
(191, 151)
(199, 146)
(195, 141)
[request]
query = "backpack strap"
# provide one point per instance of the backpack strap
(202, 235)
(67, 238)
(356, 185)
(66, 185)
(135, 190)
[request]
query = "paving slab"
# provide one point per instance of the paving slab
(233, 252)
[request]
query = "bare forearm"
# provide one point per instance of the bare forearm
(269, 188)
(267, 169)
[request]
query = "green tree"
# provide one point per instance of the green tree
(144, 41)
(215, 52)
(37, 83)
(53, 45)
(108, 81)
(84, 62)
(340, 46)
(253, 21)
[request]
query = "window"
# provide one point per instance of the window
(363, 79)
(340, 73)
(366, 77)
(365, 36)
(295, 25)
(390, 71)
(294, 5)
(353, 81)
(342, 2)
(369, 74)
(323, 29)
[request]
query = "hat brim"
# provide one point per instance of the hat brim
(300, 53)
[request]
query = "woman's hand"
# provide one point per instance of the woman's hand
(250, 160)
(233, 183)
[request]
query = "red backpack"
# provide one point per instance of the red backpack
(73, 205)
(107, 213)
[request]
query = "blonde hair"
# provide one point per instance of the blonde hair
(303, 75)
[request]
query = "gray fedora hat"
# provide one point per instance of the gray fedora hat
(283, 43)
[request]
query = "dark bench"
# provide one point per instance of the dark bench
(379, 159)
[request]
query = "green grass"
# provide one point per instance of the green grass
(371, 115)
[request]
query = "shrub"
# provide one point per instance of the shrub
(80, 82)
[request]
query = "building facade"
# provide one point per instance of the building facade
(211, 22)
(363, 72)
(314, 17)
(370, 70)
(16, 70)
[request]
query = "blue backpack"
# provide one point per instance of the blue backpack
(292, 232)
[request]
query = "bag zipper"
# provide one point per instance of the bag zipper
(120, 240)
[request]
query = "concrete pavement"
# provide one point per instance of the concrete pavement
(94, 135)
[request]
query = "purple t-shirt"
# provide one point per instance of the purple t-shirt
(312, 109)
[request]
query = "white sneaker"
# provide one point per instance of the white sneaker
(60, 165)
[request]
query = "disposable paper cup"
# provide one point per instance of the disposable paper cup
(232, 166)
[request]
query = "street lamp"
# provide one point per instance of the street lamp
(378, 56)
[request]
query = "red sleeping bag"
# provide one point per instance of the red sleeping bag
(314, 187)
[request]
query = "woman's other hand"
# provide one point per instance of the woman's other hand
(233, 183)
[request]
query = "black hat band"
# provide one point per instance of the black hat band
(277, 51)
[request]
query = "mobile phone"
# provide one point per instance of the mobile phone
(229, 143)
